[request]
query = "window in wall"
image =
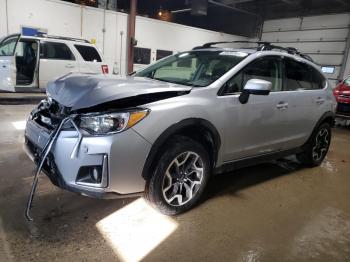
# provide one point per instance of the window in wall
(7, 47)
(328, 69)
(55, 51)
(266, 68)
(163, 53)
(142, 55)
(89, 53)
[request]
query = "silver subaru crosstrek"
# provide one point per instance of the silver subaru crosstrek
(164, 130)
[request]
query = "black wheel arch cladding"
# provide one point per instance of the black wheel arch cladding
(327, 117)
(186, 127)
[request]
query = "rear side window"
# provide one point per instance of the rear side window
(301, 76)
(55, 51)
(89, 53)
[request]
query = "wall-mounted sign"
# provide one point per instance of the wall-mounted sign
(328, 69)
(32, 31)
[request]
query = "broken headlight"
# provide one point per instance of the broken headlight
(111, 123)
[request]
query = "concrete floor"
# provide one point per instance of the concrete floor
(271, 212)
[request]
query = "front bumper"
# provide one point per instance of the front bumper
(126, 153)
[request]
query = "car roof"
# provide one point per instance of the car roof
(57, 39)
(250, 50)
(245, 50)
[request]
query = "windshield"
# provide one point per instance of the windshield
(195, 68)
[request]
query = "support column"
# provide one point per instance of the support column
(345, 64)
(131, 35)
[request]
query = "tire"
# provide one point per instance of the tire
(317, 147)
(182, 169)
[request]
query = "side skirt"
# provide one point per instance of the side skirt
(251, 161)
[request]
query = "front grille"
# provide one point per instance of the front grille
(343, 108)
(50, 115)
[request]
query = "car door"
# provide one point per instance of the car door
(56, 59)
(8, 63)
(305, 97)
(257, 127)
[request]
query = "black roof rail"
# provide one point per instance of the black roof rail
(63, 38)
(210, 44)
(262, 46)
(289, 50)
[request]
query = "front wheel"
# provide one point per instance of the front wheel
(179, 178)
(317, 148)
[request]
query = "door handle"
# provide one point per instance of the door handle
(70, 66)
(282, 105)
(320, 101)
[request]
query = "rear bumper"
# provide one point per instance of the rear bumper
(126, 153)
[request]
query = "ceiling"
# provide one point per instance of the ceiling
(240, 17)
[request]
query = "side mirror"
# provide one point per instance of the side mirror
(255, 87)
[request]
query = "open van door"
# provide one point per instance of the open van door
(8, 69)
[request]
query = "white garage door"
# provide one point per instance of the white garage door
(324, 38)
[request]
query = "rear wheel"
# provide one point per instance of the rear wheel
(317, 148)
(179, 178)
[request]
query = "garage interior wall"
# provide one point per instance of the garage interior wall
(108, 28)
(324, 38)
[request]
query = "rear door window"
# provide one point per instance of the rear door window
(55, 51)
(318, 80)
(298, 76)
(88, 53)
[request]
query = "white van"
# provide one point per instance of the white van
(21, 67)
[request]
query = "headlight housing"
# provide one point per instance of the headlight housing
(111, 123)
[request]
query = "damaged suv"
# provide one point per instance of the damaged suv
(164, 130)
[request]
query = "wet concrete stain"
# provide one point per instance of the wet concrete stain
(277, 211)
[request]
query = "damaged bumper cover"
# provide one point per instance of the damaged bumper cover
(122, 170)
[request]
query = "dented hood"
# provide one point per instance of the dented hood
(77, 90)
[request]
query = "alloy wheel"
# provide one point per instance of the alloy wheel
(321, 144)
(183, 178)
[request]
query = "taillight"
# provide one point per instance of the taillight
(104, 69)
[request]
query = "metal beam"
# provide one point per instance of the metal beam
(343, 2)
(291, 2)
(233, 2)
(345, 58)
(233, 8)
(181, 11)
(131, 35)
